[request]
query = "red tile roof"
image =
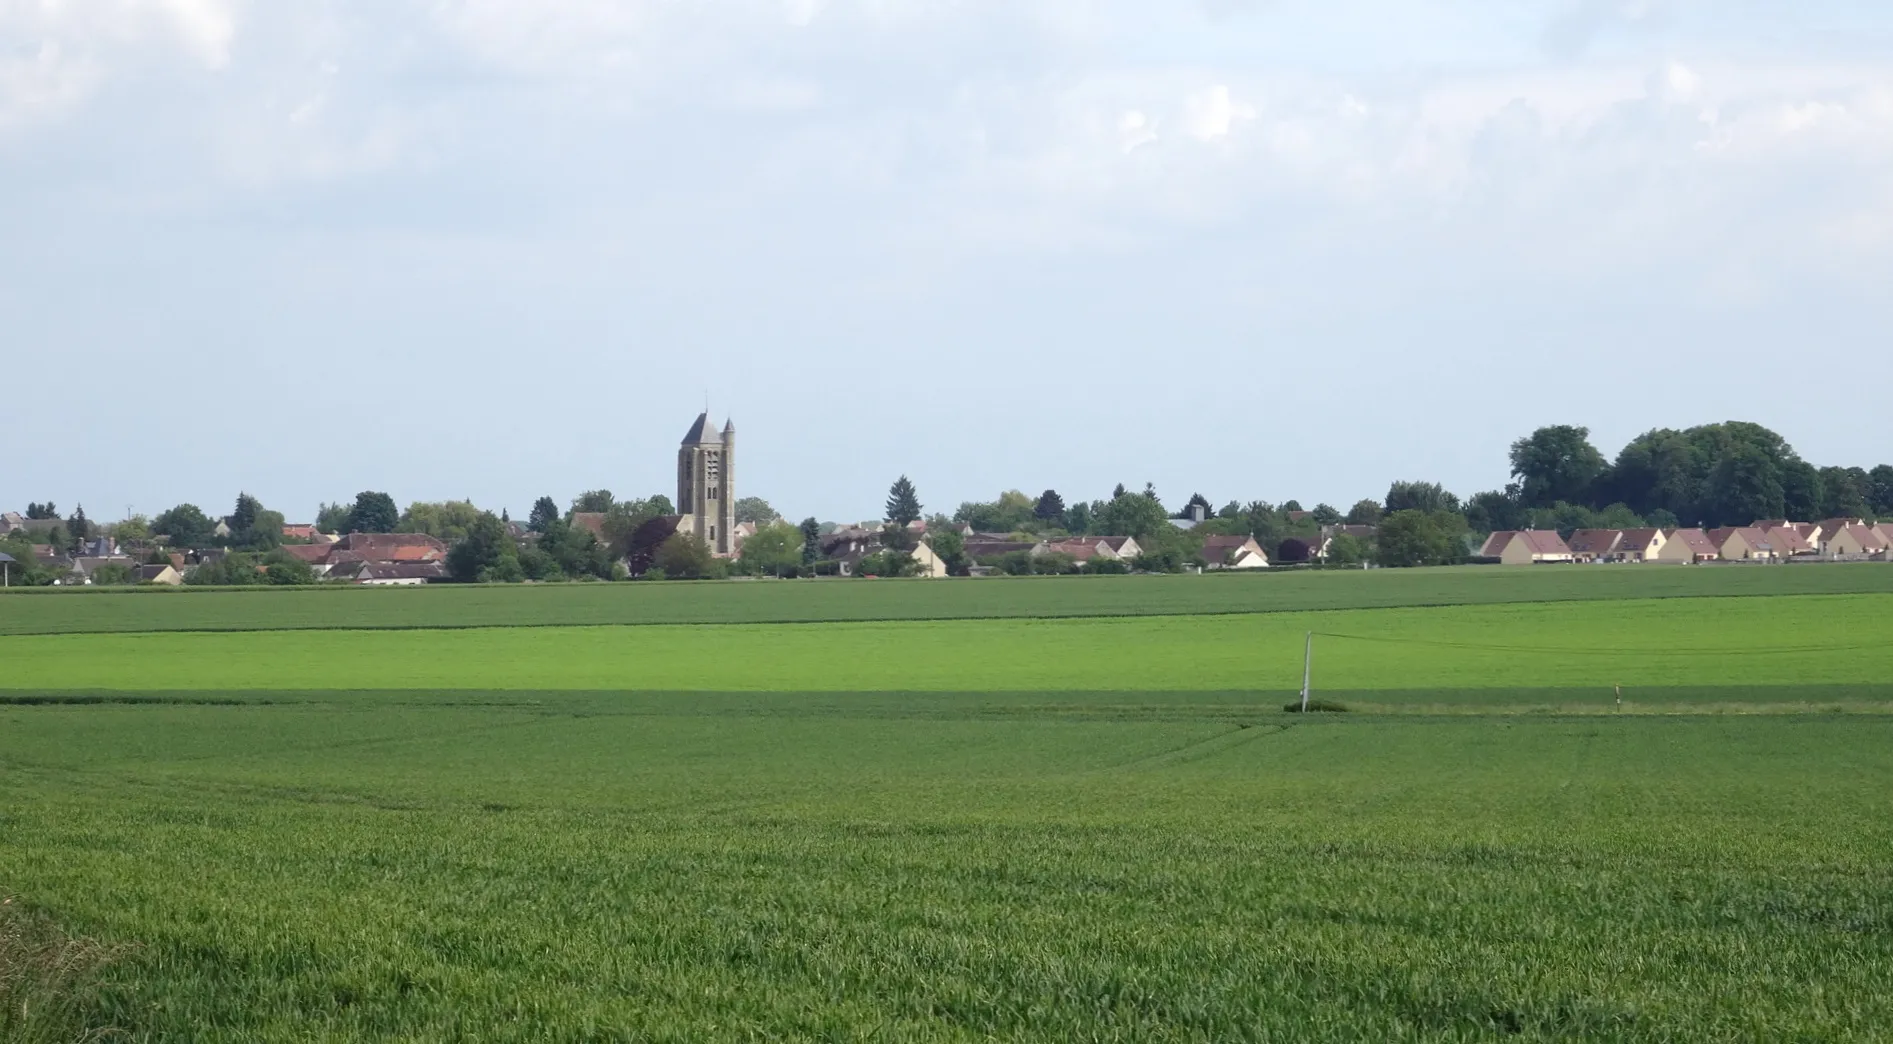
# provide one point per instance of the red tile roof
(1639, 540)
(1595, 541)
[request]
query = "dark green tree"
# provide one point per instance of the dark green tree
(1803, 492)
(1425, 497)
(811, 541)
(1134, 515)
(544, 511)
(903, 504)
(41, 512)
(684, 556)
(332, 518)
(1496, 510)
(486, 554)
(1745, 487)
(1882, 495)
(1846, 493)
(951, 549)
(1420, 538)
(374, 513)
(1556, 463)
(593, 501)
(1364, 513)
(754, 509)
(186, 525)
(1050, 508)
(1327, 514)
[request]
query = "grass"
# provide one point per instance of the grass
(69, 611)
(1649, 645)
(1066, 828)
(46, 978)
(590, 868)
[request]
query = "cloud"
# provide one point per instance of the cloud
(1209, 114)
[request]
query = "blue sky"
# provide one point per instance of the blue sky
(1256, 248)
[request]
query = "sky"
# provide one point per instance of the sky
(1257, 249)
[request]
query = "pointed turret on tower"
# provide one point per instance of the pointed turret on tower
(706, 495)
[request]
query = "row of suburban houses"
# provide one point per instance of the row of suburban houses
(1774, 540)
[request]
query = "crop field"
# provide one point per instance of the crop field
(70, 610)
(1054, 826)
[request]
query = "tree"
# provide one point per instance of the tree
(1078, 517)
(811, 541)
(1425, 497)
(1556, 463)
(1137, 515)
(565, 550)
(133, 530)
(486, 554)
(374, 513)
(903, 504)
(1881, 498)
(755, 509)
(685, 557)
(332, 518)
(544, 510)
(186, 525)
(285, 570)
(660, 505)
(593, 501)
(1348, 550)
(1050, 508)
(1293, 549)
(78, 530)
(1421, 538)
(252, 526)
(950, 547)
(1011, 513)
(896, 537)
(1745, 486)
(114, 575)
(41, 512)
(447, 520)
(1197, 502)
(1364, 513)
(1496, 510)
(1327, 514)
(1846, 493)
(1803, 491)
(775, 549)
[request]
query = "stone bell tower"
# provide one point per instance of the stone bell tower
(706, 484)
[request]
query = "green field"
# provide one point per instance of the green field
(1095, 826)
(68, 611)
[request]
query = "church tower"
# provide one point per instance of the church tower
(706, 483)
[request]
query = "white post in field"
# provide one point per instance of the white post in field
(1307, 668)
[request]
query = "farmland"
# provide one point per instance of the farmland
(68, 611)
(1087, 825)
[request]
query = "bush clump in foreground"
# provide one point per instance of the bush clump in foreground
(44, 978)
(1318, 706)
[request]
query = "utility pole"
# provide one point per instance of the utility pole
(1307, 668)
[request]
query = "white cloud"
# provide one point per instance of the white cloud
(1210, 113)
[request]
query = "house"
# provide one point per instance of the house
(10, 521)
(1119, 546)
(1856, 540)
(1365, 534)
(1786, 540)
(592, 522)
(1640, 545)
(988, 547)
(1526, 547)
(1688, 546)
(166, 575)
(392, 547)
(1595, 545)
(14, 522)
(1234, 552)
(401, 574)
(1194, 515)
(1742, 544)
(1885, 529)
(308, 533)
(1837, 531)
(926, 563)
(1080, 549)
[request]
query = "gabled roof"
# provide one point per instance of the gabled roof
(314, 554)
(1835, 525)
(592, 522)
(1696, 540)
(1639, 539)
(391, 547)
(1595, 541)
(1786, 539)
(1868, 537)
(1540, 542)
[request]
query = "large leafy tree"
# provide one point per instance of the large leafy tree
(40, 512)
(449, 520)
(773, 550)
(755, 509)
(186, 525)
(1845, 493)
(1364, 513)
(254, 527)
(1420, 496)
(1139, 515)
(374, 513)
(1421, 538)
(1012, 512)
(1556, 463)
(332, 518)
(1496, 510)
(485, 554)
(684, 556)
(1882, 495)
(593, 500)
(1803, 491)
(903, 503)
(1745, 486)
